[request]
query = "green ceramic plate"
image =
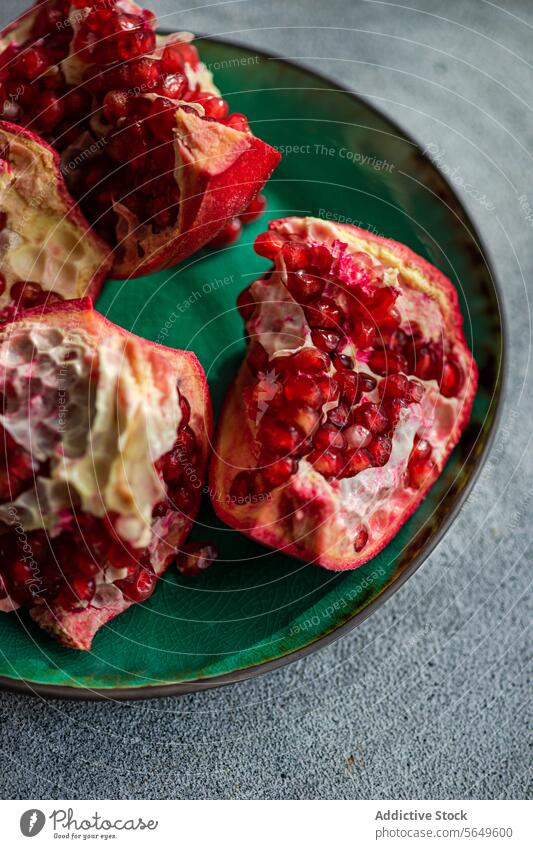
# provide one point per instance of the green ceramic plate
(257, 609)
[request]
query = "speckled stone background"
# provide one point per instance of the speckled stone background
(429, 697)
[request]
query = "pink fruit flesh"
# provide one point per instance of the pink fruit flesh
(355, 389)
(133, 116)
(104, 551)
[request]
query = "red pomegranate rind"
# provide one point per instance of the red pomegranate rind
(103, 465)
(356, 387)
(43, 234)
(143, 130)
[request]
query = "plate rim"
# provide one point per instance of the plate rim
(153, 691)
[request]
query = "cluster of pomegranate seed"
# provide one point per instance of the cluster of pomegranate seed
(134, 157)
(64, 569)
(337, 401)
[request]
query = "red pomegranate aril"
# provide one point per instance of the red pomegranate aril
(257, 358)
(387, 362)
(77, 593)
(306, 418)
(372, 417)
(184, 499)
(195, 558)
(425, 363)
(328, 387)
(320, 258)
(228, 235)
(395, 386)
(363, 334)
(141, 587)
(416, 391)
(342, 361)
(115, 106)
(357, 436)
(173, 86)
(325, 340)
(29, 63)
(241, 488)
(451, 380)
(339, 416)
(421, 449)
(51, 111)
(255, 208)
(303, 390)
(389, 322)
(350, 390)
(307, 360)
(356, 461)
(237, 122)
(394, 407)
(324, 313)
(328, 436)
(360, 539)
(380, 450)
(278, 437)
(296, 256)
(214, 107)
(27, 294)
(421, 472)
(268, 245)
(329, 463)
(303, 287)
(279, 472)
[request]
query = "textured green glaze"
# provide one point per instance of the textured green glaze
(256, 605)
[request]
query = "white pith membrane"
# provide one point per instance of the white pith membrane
(319, 518)
(102, 413)
(42, 240)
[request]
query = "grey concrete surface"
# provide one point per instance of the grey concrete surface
(429, 697)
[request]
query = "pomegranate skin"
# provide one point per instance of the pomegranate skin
(113, 563)
(316, 515)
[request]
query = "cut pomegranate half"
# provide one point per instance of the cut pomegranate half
(104, 447)
(43, 235)
(356, 387)
(149, 150)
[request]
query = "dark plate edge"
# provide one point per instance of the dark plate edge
(54, 691)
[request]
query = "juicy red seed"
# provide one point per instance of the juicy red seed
(328, 436)
(20, 577)
(296, 255)
(214, 107)
(324, 313)
(246, 303)
(421, 449)
(325, 340)
(172, 59)
(303, 390)
(387, 362)
(279, 472)
(257, 358)
(27, 294)
(451, 380)
(357, 436)
(342, 361)
(140, 587)
(360, 540)
(30, 63)
(357, 461)
(303, 287)
(367, 383)
(241, 487)
(389, 322)
(237, 122)
(77, 593)
(173, 86)
(396, 386)
(51, 111)
(278, 437)
(421, 473)
(328, 387)
(372, 417)
(195, 558)
(255, 209)
(308, 360)
(380, 450)
(268, 244)
(416, 391)
(349, 386)
(340, 416)
(115, 106)
(184, 500)
(393, 407)
(426, 364)
(185, 410)
(382, 300)
(229, 234)
(363, 334)
(328, 463)
(321, 258)
(306, 418)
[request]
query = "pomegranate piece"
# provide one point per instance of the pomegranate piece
(133, 115)
(366, 407)
(104, 448)
(50, 240)
(195, 558)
